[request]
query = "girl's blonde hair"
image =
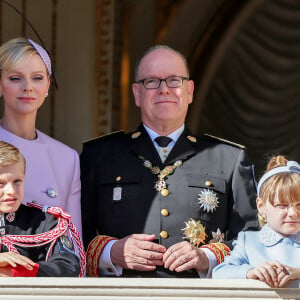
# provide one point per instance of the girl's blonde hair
(285, 185)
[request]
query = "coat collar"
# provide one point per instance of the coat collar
(141, 144)
(270, 238)
(185, 146)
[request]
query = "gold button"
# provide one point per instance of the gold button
(118, 178)
(207, 183)
(163, 234)
(164, 212)
(165, 192)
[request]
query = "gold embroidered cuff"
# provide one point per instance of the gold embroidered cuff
(93, 253)
(219, 249)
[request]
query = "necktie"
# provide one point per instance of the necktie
(163, 141)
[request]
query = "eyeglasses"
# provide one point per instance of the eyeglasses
(154, 83)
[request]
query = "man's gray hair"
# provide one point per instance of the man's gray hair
(137, 65)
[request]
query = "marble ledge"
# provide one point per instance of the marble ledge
(140, 289)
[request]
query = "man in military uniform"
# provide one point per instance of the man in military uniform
(160, 202)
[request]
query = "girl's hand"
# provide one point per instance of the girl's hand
(287, 274)
(267, 272)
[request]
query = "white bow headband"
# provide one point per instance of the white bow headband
(291, 167)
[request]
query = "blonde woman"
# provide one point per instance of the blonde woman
(53, 174)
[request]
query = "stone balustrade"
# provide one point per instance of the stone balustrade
(140, 289)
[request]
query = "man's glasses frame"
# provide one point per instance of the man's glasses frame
(153, 83)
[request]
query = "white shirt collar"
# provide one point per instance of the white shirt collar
(174, 135)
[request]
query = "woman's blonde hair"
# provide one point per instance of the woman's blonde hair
(15, 52)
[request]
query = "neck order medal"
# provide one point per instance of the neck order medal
(160, 184)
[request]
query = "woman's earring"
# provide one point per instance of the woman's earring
(46, 95)
(0, 95)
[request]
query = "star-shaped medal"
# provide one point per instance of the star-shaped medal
(194, 231)
(218, 237)
(208, 200)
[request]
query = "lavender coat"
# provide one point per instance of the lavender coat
(50, 166)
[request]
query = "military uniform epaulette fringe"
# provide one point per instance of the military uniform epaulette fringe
(104, 136)
(224, 141)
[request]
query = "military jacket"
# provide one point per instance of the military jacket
(31, 221)
(119, 198)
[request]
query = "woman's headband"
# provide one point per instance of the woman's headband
(291, 167)
(43, 54)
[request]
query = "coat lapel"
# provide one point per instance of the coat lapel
(185, 147)
(141, 144)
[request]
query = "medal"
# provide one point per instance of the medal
(194, 231)
(10, 217)
(161, 184)
(218, 237)
(208, 200)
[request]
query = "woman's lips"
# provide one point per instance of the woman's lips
(26, 98)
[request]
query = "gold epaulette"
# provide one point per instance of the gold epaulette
(219, 249)
(104, 136)
(93, 253)
(225, 141)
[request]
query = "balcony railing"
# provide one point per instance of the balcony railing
(140, 289)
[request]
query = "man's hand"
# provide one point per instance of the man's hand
(184, 256)
(137, 252)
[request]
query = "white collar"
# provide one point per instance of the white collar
(174, 135)
(269, 237)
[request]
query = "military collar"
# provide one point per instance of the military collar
(141, 144)
(184, 147)
(174, 135)
(270, 238)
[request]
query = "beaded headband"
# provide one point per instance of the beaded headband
(43, 54)
(291, 167)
